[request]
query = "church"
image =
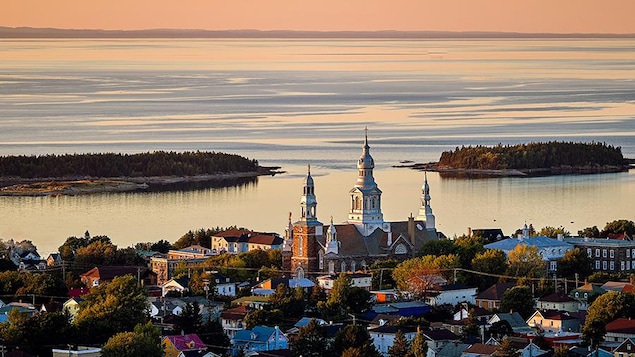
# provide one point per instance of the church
(312, 248)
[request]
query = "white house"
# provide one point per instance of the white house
(360, 280)
(384, 336)
(451, 294)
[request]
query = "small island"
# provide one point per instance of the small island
(533, 159)
(76, 174)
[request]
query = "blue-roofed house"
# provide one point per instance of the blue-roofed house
(550, 249)
(260, 338)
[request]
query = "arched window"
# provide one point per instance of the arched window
(300, 246)
(353, 266)
(299, 273)
(331, 267)
(321, 260)
(343, 267)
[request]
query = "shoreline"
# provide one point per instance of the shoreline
(550, 171)
(73, 186)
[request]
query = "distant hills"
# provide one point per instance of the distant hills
(30, 32)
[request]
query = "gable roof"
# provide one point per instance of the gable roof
(187, 342)
(621, 325)
(628, 346)
(440, 335)
(266, 239)
(481, 349)
(556, 297)
(111, 272)
(495, 292)
(257, 334)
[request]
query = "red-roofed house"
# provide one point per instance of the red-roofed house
(174, 345)
(619, 330)
(105, 274)
(479, 350)
(491, 297)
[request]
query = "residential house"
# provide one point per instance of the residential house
(104, 274)
(360, 280)
(232, 241)
(619, 286)
(260, 338)
(437, 339)
(72, 306)
(174, 345)
(52, 306)
(558, 301)
(619, 330)
(53, 260)
(269, 286)
(625, 349)
(452, 350)
(29, 261)
(489, 234)
(451, 294)
(585, 352)
(608, 255)
(517, 323)
(479, 350)
(223, 285)
(490, 298)
(553, 321)
(383, 296)
(79, 351)
(550, 249)
(253, 302)
(383, 337)
(264, 241)
(586, 294)
(530, 350)
(180, 286)
(164, 265)
(402, 309)
(232, 320)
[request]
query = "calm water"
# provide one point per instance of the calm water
(294, 102)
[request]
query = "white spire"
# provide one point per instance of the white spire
(308, 202)
(288, 239)
(332, 245)
(425, 211)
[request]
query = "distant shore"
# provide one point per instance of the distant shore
(69, 186)
(551, 171)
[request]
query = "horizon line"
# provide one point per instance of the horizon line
(48, 32)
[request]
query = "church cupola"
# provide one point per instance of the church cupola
(332, 245)
(365, 210)
(308, 202)
(425, 210)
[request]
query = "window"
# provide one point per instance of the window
(597, 252)
(597, 264)
(603, 253)
(628, 252)
(612, 253)
(622, 265)
(553, 265)
(612, 265)
(300, 246)
(604, 265)
(343, 267)
(589, 252)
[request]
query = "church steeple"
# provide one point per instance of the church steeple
(308, 202)
(425, 211)
(365, 210)
(332, 245)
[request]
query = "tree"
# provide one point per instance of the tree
(470, 328)
(400, 346)
(491, 261)
(552, 232)
(438, 247)
(606, 308)
(467, 248)
(144, 340)
(382, 273)
(111, 308)
(507, 349)
(525, 261)
(589, 232)
(418, 347)
(263, 317)
(344, 299)
(518, 299)
(562, 351)
(575, 261)
(500, 329)
(354, 340)
(418, 275)
(190, 320)
(619, 226)
(311, 341)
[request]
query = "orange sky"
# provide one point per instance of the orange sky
(558, 16)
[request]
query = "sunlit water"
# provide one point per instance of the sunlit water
(295, 102)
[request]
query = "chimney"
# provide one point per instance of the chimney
(411, 229)
(469, 232)
(560, 237)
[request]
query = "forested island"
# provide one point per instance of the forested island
(113, 172)
(551, 158)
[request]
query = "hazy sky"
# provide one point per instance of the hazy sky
(559, 16)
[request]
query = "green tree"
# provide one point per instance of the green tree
(619, 226)
(518, 298)
(212, 334)
(438, 247)
(418, 275)
(344, 299)
(606, 308)
(575, 261)
(525, 261)
(507, 349)
(500, 329)
(311, 341)
(562, 351)
(589, 232)
(190, 320)
(470, 328)
(491, 261)
(357, 339)
(418, 347)
(112, 308)
(467, 248)
(400, 346)
(144, 340)
(552, 232)
(382, 273)
(263, 317)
